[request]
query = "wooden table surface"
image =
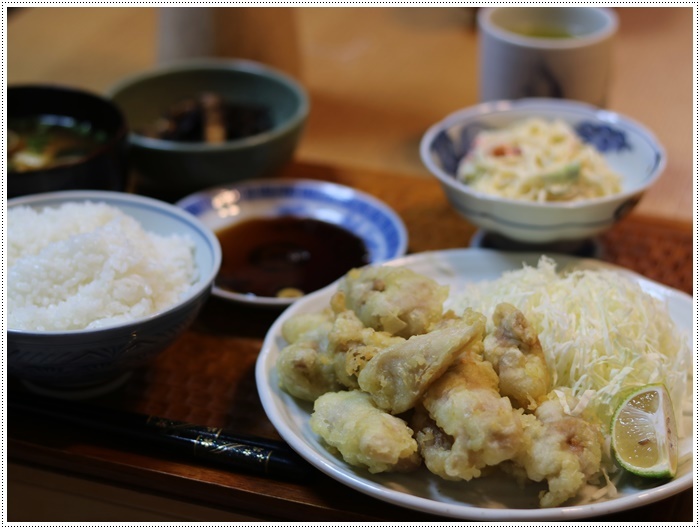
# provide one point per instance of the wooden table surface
(377, 78)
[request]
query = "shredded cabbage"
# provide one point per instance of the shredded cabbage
(600, 332)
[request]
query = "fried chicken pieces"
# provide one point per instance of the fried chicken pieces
(396, 381)
(562, 449)
(350, 422)
(516, 354)
(467, 410)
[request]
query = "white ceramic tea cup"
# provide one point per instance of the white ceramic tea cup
(559, 52)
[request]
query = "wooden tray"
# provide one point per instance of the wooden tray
(207, 378)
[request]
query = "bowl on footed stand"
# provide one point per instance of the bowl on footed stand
(491, 240)
(565, 226)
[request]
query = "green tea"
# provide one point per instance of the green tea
(544, 32)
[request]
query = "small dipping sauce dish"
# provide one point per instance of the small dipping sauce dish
(286, 256)
(282, 239)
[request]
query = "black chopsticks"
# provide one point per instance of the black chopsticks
(215, 445)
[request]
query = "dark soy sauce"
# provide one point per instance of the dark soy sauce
(286, 256)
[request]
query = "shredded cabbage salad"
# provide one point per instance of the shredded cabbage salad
(537, 160)
(600, 332)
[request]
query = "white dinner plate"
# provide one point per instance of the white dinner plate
(484, 499)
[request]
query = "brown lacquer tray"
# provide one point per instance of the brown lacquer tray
(207, 378)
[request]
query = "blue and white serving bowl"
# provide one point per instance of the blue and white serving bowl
(381, 230)
(627, 147)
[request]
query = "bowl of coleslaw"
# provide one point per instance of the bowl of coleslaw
(542, 170)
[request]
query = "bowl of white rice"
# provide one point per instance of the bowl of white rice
(99, 283)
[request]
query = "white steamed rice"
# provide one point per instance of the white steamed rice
(87, 265)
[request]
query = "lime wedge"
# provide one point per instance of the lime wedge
(644, 435)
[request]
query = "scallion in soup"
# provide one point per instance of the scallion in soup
(42, 142)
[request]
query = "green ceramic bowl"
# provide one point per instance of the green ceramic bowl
(172, 169)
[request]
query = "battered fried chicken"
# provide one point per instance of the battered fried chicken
(352, 345)
(393, 299)
(364, 435)
(304, 367)
(471, 425)
(313, 324)
(398, 376)
(434, 444)
(563, 449)
(477, 401)
(514, 350)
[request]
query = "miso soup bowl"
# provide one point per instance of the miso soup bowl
(104, 168)
(76, 361)
(627, 146)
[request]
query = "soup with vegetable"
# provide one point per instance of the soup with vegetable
(42, 142)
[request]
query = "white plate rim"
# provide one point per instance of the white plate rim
(327, 463)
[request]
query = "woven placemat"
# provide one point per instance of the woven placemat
(657, 249)
(207, 377)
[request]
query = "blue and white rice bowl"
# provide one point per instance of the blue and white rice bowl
(376, 224)
(627, 147)
(88, 362)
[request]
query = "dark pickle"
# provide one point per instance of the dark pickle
(286, 256)
(209, 118)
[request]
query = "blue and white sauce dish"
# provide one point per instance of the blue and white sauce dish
(627, 147)
(252, 219)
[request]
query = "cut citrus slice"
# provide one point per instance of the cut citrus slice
(644, 435)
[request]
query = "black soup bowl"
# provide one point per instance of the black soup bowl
(38, 111)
